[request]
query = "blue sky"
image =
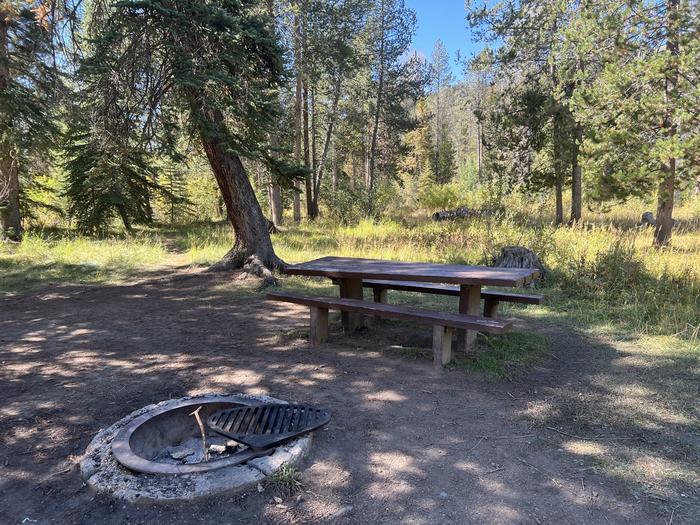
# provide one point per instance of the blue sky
(443, 19)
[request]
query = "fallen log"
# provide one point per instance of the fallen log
(462, 213)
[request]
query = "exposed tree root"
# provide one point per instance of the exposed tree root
(252, 264)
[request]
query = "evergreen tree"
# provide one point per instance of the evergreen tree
(218, 64)
(530, 59)
(28, 88)
(392, 79)
(177, 206)
(417, 164)
(329, 61)
(641, 106)
(106, 180)
(108, 174)
(441, 78)
(445, 167)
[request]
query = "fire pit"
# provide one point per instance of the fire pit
(158, 453)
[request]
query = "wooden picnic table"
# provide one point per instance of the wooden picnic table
(350, 272)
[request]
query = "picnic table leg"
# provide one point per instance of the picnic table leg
(351, 289)
(470, 304)
(318, 331)
(381, 295)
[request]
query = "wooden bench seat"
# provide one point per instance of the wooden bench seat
(443, 323)
(491, 297)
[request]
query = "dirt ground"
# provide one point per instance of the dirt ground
(406, 444)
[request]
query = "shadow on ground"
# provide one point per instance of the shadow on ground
(406, 444)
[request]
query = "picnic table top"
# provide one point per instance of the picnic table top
(356, 268)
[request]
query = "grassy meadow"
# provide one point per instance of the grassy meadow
(603, 278)
(603, 273)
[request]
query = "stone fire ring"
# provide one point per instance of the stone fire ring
(102, 472)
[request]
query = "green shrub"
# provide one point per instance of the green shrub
(440, 197)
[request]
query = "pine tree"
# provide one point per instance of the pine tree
(28, 88)
(218, 64)
(390, 30)
(108, 174)
(104, 181)
(329, 60)
(417, 164)
(641, 106)
(441, 78)
(529, 59)
(445, 167)
(177, 205)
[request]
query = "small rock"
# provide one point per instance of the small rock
(217, 449)
(260, 488)
(340, 512)
(647, 219)
(443, 495)
(277, 499)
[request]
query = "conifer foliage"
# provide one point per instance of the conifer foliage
(28, 84)
(158, 68)
(105, 181)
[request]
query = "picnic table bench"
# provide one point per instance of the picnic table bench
(491, 297)
(465, 282)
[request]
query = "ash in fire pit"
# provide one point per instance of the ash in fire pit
(156, 452)
(189, 451)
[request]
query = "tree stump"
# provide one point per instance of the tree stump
(519, 257)
(647, 219)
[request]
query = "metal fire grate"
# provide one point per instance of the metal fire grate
(266, 426)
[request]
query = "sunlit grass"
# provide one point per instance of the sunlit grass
(39, 259)
(505, 355)
(603, 272)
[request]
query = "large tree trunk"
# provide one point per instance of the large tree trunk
(576, 177)
(664, 210)
(318, 169)
(10, 218)
(242, 208)
(372, 159)
(559, 198)
(307, 154)
(297, 115)
(274, 191)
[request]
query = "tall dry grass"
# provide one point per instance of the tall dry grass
(602, 271)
